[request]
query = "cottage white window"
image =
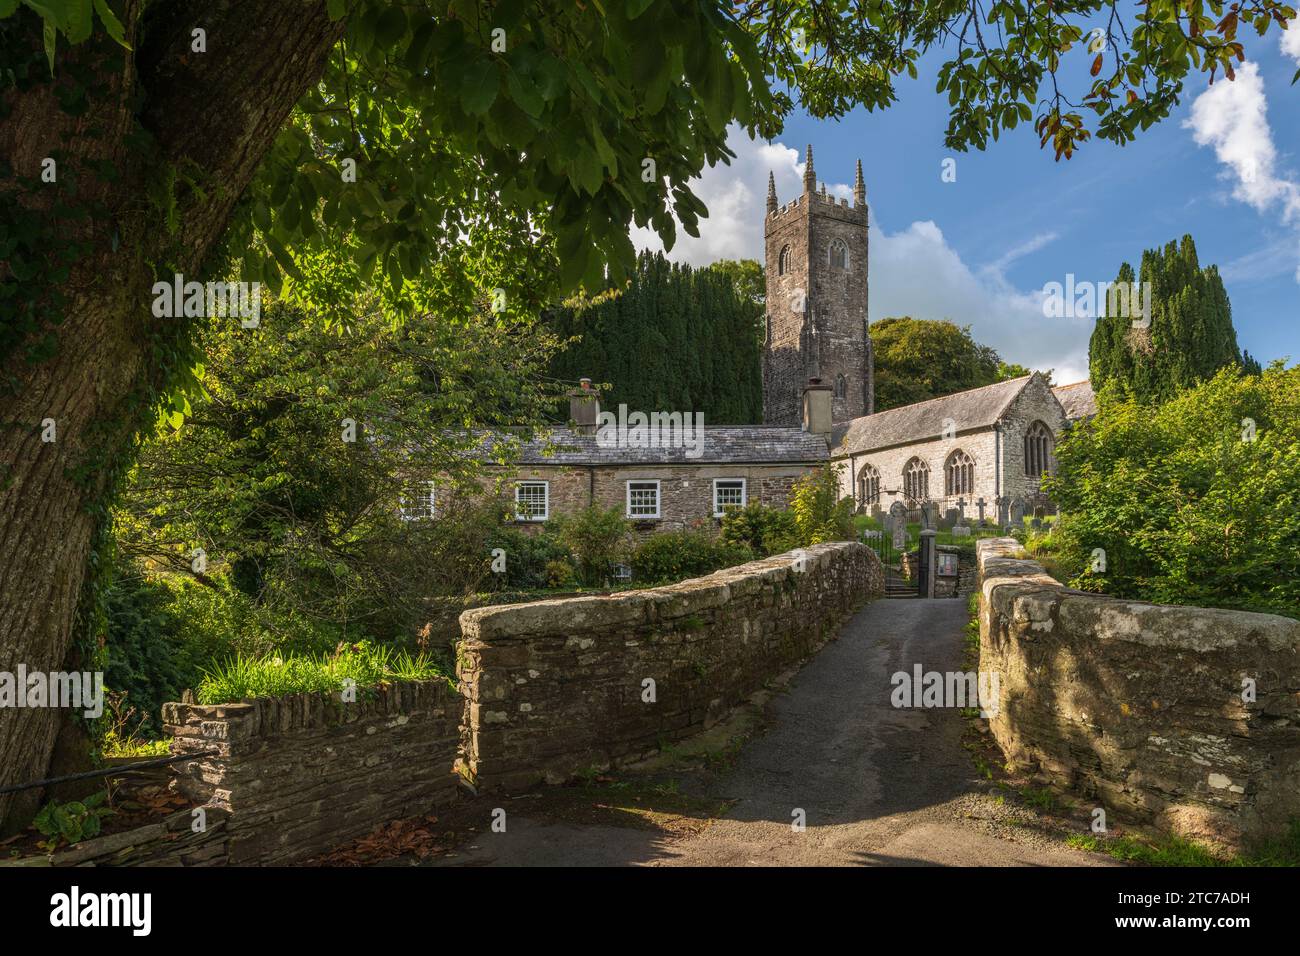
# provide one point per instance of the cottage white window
(959, 474)
(727, 493)
(916, 482)
(532, 500)
(783, 261)
(417, 501)
(868, 485)
(643, 499)
(1038, 450)
(839, 254)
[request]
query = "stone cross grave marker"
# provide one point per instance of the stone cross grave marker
(981, 505)
(898, 523)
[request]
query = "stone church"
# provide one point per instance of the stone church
(978, 451)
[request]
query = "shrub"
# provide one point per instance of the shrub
(820, 514)
(676, 555)
(529, 558)
(598, 541)
(1188, 504)
(764, 531)
(72, 822)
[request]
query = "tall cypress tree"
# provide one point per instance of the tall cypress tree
(1190, 335)
(674, 339)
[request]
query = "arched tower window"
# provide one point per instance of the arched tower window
(959, 474)
(841, 386)
(868, 486)
(839, 254)
(1038, 450)
(916, 482)
(783, 261)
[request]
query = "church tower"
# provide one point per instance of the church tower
(816, 249)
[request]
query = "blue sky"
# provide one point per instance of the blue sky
(980, 249)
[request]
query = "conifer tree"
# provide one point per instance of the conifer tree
(1189, 335)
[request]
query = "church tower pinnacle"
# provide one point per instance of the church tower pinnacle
(809, 174)
(771, 192)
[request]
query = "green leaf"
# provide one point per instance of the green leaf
(523, 92)
(78, 18)
(478, 89)
(51, 36)
(390, 27)
(337, 9)
(112, 24)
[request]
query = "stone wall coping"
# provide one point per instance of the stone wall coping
(307, 710)
(1002, 563)
(664, 603)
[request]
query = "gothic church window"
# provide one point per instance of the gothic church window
(916, 482)
(839, 254)
(868, 485)
(783, 261)
(959, 474)
(1038, 450)
(841, 386)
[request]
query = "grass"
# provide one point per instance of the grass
(241, 678)
(1177, 851)
(115, 746)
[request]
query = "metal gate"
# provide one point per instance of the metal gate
(891, 559)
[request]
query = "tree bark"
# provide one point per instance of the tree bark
(213, 115)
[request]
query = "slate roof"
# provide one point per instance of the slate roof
(975, 408)
(741, 444)
(1077, 400)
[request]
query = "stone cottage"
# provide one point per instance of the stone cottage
(992, 444)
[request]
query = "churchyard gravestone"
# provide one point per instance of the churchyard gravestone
(1017, 514)
(960, 531)
(949, 519)
(981, 505)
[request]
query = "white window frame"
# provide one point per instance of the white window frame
(718, 512)
(546, 500)
(658, 499)
(427, 504)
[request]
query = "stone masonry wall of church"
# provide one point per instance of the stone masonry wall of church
(1036, 402)
(783, 376)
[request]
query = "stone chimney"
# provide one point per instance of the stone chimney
(584, 407)
(817, 408)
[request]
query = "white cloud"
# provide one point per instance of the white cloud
(1232, 117)
(913, 272)
(1291, 40)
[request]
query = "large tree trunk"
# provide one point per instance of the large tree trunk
(212, 114)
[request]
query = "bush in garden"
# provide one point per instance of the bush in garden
(598, 540)
(764, 531)
(820, 514)
(528, 558)
(677, 555)
(1195, 501)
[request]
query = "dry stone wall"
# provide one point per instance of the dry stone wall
(295, 776)
(1146, 707)
(557, 687)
